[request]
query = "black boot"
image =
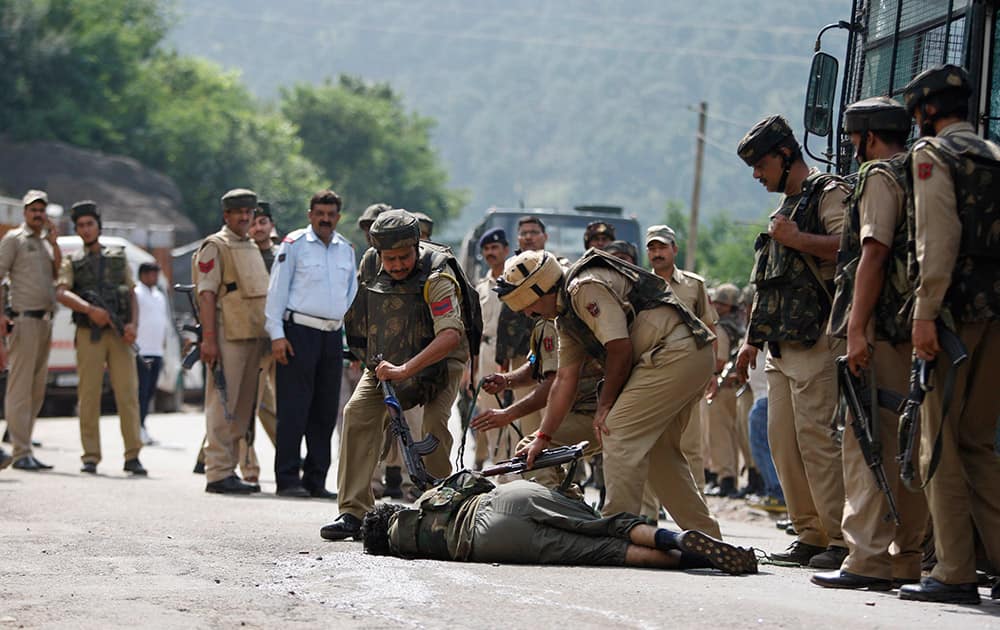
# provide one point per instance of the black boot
(726, 489)
(393, 482)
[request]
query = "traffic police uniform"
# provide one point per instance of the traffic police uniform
(27, 259)
(957, 276)
(789, 304)
(312, 286)
(231, 267)
(108, 275)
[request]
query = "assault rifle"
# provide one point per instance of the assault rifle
(555, 456)
(856, 394)
(116, 322)
(218, 376)
(412, 450)
(909, 419)
(727, 370)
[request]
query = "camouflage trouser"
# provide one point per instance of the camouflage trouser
(523, 522)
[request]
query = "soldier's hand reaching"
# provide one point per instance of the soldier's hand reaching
(494, 383)
(531, 451)
(386, 371)
(491, 419)
(281, 349)
(746, 359)
(98, 316)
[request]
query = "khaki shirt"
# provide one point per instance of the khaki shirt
(66, 270)
(881, 208)
(27, 259)
(598, 297)
(938, 228)
(690, 289)
(208, 270)
(832, 210)
(545, 338)
(445, 308)
(490, 305)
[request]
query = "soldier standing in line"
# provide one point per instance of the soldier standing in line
(793, 273)
(312, 285)
(231, 281)
(96, 284)
(869, 296)
(426, 225)
(30, 257)
(723, 433)
(956, 273)
(408, 323)
(656, 363)
(689, 287)
(624, 250)
(368, 217)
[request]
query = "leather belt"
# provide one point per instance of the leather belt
(317, 323)
(38, 314)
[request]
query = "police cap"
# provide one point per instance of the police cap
(493, 235)
(394, 229)
(239, 198)
(949, 81)
(879, 113)
(765, 137)
(32, 196)
(263, 209)
(85, 208)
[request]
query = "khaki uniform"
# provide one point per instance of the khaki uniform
(669, 372)
(965, 489)
(91, 358)
(495, 445)
(27, 260)
(723, 438)
(232, 268)
(867, 534)
(802, 395)
(366, 420)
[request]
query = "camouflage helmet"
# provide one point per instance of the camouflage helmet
(623, 247)
(394, 229)
(371, 213)
(879, 113)
(949, 81)
(239, 198)
(598, 227)
(527, 277)
(748, 294)
(426, 224)
(727, 294)
(765, 137)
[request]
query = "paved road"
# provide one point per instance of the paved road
(114, 552)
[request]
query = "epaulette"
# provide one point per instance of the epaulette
(294, 235)
(693, 275)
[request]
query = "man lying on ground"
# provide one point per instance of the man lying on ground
(467, 518)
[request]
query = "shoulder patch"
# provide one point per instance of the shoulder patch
(594, 309)
(693, 275)
(281, 257)
(442, 307)
(549, 344)
(925, 170)
(206, 266)
(293, 236)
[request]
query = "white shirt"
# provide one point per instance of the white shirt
(154, 319)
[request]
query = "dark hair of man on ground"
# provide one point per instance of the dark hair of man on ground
(374, 532)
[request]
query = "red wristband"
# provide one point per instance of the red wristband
(543, 436)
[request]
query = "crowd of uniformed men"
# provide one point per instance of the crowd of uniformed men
(672, 383)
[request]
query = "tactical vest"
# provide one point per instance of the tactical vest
(268, 256)
(733, 327)
(423, 532)
(974, 293)
(647, 291)
(792, 303)
(890, 324)
(590, 375)
(243, 291)
(391, 320)
(105, 276)
(513, 334)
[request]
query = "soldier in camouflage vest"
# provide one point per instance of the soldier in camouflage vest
(468, 519)
(96, 283)
(407, 324)
(871, 288)
(793, 273)
(657, 358)
(955, 267)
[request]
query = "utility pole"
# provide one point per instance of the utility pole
(692, 244)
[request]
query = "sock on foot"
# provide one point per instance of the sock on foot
(665, 540)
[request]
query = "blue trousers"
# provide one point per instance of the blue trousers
(308, 400)
(761, 450)
(149, 372)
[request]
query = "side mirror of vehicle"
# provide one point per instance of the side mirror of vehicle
(821, 93)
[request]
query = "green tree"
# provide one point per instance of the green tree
(369, 147)
(725, 245)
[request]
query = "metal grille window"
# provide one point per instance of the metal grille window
(993, 103)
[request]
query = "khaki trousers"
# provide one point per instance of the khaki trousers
(744, 403)
(28, 357)
(801, 399)
(691, 444)
(365, 423)
(266, 406)
(646, 426)
(866, 531)
(723, 443)
(965, 489)
(91, 357)
(241, 362)
(500, 444)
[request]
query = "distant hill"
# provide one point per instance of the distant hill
(556, 102)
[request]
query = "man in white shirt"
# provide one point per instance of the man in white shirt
(151, 338)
